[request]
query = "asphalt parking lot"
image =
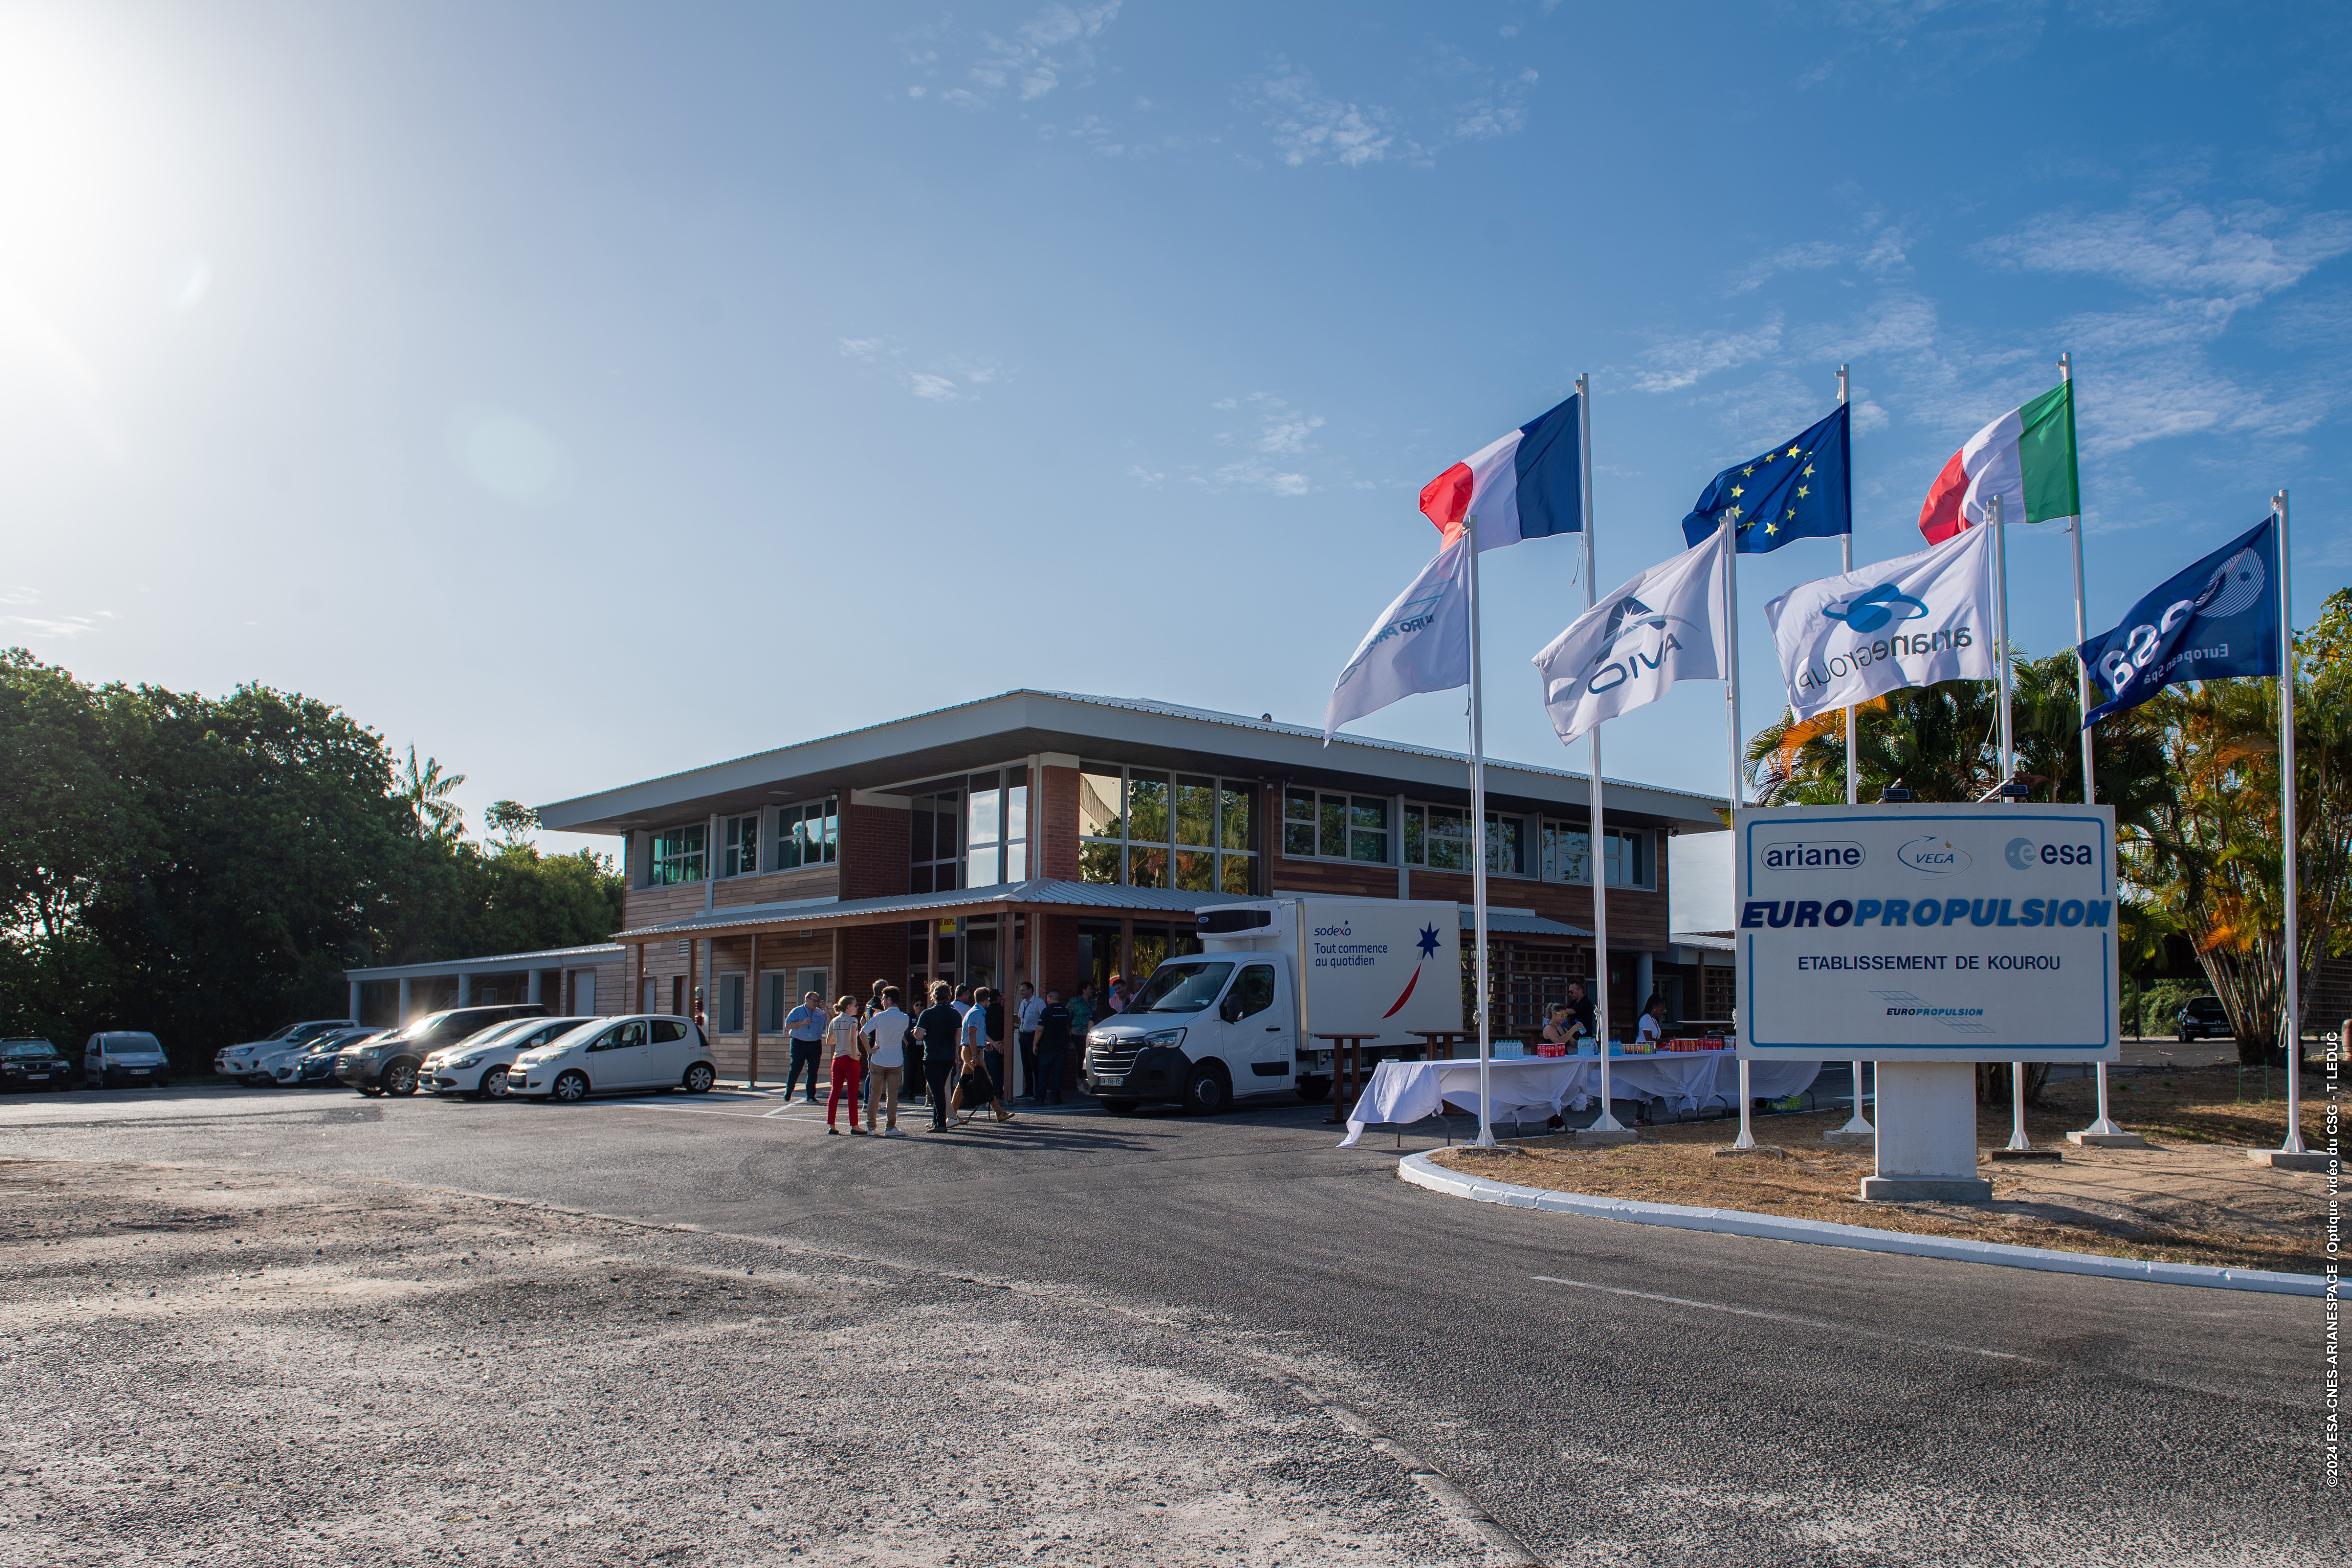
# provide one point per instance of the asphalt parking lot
(1606, 1392)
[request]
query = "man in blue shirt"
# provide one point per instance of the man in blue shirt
(807, 1024)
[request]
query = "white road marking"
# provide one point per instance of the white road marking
(1783, 1318)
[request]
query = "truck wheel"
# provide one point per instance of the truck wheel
(1206, 1091)
(1119, 1106)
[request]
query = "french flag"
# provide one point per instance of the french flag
(1528, 485)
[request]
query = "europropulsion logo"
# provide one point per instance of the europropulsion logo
(1880, 608)
(1933, 856)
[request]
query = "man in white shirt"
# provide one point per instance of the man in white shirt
(1028, 1012)
(885, 1061)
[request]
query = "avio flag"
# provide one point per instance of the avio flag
(1421, 643)
(1665, 626)
(2026, 457)
(1529, 484)
(1802, 489)
(1912, 621)
(2218, 618)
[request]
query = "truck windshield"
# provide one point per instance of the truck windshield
(1182, 987)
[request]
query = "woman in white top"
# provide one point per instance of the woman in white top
(848, 1065)
(1653, 1028)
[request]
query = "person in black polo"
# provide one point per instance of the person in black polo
(1053, 1039)
(940, 1023)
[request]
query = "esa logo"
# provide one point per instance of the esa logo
(1935, 855)
(2024, 853)
(1815, 855)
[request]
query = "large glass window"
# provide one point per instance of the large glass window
(1438, 837)
(678, 856)
(1150, 828)
(969, 832)
(935, 839)
(808, 834)
(1628, 855)
(739, 855)
(1320, 825)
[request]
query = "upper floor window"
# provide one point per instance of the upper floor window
(1148, 827)
(808, 834)
(969, 832)
(1629, 854)
(1330, 826)
(1438, 837)
(738, 854)
(678, 856)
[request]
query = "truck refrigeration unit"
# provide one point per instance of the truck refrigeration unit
(1239, 1017)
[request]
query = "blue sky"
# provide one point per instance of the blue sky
(583, 393)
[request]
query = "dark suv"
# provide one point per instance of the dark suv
(34, 1064)
(2201, 1018)
(387, 1064)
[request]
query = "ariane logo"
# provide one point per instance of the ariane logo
(1813, 854)
(1934, 855)
(1880, 608)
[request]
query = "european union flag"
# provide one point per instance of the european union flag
(1802, 489)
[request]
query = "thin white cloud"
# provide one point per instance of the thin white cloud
(937, 388)
(1810, 255)
(942, 381)
(1149, 479)
(1310, 126)
(1500, 111)
(1053, 43)
(1678, 362)
(2242, 252)
(60, 626)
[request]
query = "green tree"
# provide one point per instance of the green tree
(431, 795)
(513, 821)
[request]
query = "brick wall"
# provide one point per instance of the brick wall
(873, 853)
(1053, 826)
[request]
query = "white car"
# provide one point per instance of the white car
(312, 1063)
(644, 1051)
(476, 1067)
(243, 1062)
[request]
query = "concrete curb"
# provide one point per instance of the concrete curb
(1420, 1172)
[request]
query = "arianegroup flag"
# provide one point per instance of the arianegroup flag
(1421, 643)
(2026, 457)
(1528, 484)
(1665, 626)
(1802, 489)
(1912, 621)
(2218, 618)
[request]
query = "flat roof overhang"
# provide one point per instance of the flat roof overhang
(995, 730)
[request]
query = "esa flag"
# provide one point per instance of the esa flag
(2219, 617)
(1421, 643)
(1912, 621)
(1802, 489)
(1665, 626)
(1528, 484)
(2026, 457)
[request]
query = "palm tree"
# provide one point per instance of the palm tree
(1937, 740)
(428, 792)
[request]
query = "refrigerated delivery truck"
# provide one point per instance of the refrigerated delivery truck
(1239, 1017)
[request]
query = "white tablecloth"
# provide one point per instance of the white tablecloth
(1538, 1087)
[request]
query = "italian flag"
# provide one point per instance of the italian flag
(2026, 457)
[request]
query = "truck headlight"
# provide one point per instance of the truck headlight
(1164, 1038)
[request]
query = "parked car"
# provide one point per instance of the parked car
(608, 1056)
(33, 1063)
(476, 1067)
(124, 1058)
(387, 1064)
(2201, 1018)
(243, 1062)
(314, 1063)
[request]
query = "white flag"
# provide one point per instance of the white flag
(1912, 621)
(1665, 626)
(1421, 643)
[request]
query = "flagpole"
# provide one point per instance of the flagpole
(1478, 847)
(2293, 1145)
(2000, 636)
(1605, 1125)
(1747, 1139)
(2104, 1126)
(1858, 1125)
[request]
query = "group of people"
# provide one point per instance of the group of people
(1570, 1025)
(951, 1054)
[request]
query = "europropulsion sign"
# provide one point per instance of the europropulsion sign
(1927, 933)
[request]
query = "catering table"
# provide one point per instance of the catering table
(1539, 1088)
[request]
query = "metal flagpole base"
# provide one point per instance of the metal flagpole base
(2104, 1134)
(2017, 1139)
(1747, 1139)
(1858, 1130)
(2291, 1159)
(1605, 1128)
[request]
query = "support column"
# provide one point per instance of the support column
(535, 993)
(1127, 953)
(1645, 984)
(1927, 1135)
(465, 988)
(355, 1001)
(404, 983)
(752, 1012)
(693, 972)
(832, 974)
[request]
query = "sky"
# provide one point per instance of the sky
(583, 393)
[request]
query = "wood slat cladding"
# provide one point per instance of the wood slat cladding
(777, 887)
(652, 906)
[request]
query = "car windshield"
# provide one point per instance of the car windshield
(132, 1046)
(1182, 987)
(501, 1034)
(29, 1048)
(2205, 1006)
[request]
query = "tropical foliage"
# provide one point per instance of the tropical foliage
(208, 868)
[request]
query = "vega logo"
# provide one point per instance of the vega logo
(1934, 855)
